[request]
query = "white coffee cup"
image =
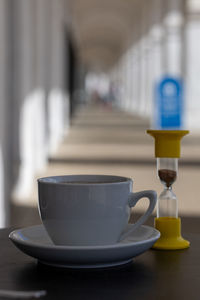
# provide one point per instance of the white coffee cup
(89, 210)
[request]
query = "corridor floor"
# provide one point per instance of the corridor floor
(105, 141)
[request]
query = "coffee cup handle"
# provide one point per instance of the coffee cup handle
(133, 199)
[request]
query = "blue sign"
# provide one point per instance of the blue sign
(169, 103)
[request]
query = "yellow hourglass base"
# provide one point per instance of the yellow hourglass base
(170, 229)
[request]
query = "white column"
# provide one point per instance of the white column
(137, 73)
(129, 79)
(156, 34)
(57, 99)
(118, 84)
(142, 75)
(135, 77)
(4, 212)
(123, 75)
(192, 44)
(143, 58)
(26, 95)
(42, 76)
(149, 78)
(149, 74)
(173, 44)
(156, 68)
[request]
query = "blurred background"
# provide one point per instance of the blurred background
(81, 81)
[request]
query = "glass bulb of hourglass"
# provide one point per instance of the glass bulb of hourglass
(167, 204)
(167, 201)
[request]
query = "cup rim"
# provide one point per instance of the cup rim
(56, 180)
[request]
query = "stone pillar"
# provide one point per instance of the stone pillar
(192, 45)
(42, 75)
(156, 67)
(174, 50)
(137, 69)
(24, 39)
(143, 56)
(148, 60)
(123, 81)
(4, 131)
(133, 77)
(173, 42)
(58, 101)
(116, 77)
(128, 79)
(156, 34)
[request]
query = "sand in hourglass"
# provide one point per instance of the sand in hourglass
(167, 176)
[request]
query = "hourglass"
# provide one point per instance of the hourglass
(167, 152)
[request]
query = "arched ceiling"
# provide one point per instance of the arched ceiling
(102, 29)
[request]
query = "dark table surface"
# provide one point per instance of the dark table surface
(153, 275)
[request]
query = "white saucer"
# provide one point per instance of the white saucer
(35, 242)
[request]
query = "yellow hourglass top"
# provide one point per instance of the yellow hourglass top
(167, 142)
